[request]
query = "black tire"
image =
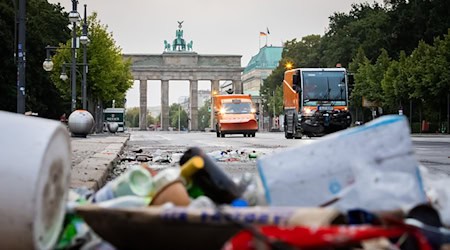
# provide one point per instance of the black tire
(287, 135)
(254, 134)
(245, 135)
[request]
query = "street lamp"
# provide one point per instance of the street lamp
(48, 64)
(74, 17)
(179, 117)
(84, 41)
(21, 54)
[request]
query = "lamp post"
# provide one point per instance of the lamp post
(22, 58)
(179, 117)
(74, 17)
(84, 40)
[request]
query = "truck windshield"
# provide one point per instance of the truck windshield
(237, 108)
(324, 86)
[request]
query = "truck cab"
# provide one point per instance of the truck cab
(315, 101)
(235, 114)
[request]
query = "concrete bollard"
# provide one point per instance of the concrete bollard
(80, 123)
(34, 181)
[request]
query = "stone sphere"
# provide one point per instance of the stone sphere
(113, 127)
(80, 123)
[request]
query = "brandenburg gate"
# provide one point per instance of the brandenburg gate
(180, 62)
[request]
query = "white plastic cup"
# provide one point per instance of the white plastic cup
(34, 181)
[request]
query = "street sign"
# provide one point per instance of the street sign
(116, 115)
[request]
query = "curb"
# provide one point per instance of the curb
(93, 171)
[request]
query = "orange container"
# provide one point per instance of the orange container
(174, 192)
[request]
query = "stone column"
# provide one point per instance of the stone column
(237, 87)
(143, 105)
(214, 89)
(165, 105)
(193, 122)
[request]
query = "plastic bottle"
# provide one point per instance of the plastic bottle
(137, 181)
(252, 190)
(214, 183)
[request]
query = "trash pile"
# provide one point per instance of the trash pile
(230, 155)
(357, 189)
(360, 188)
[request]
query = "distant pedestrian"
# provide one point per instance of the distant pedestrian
(63, 118)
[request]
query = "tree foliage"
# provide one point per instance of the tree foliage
(363, 27)
(109, 75)
(204, 115)
(398, 52)
(178, 114)
(422, 77)
(132, 118)
(45, 24)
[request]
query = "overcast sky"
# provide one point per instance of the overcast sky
(216, 27)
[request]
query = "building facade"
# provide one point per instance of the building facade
(258, 69)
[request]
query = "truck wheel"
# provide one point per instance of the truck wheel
(287, 135)
(245, 135)
(253, 135)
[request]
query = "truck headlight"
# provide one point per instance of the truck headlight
(307, 111)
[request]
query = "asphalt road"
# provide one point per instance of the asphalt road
(433, 151)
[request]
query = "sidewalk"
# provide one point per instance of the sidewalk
(93, 157)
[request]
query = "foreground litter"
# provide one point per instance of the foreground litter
(357, 189)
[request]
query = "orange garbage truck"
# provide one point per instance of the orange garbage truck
(315, 101)
(235, 114)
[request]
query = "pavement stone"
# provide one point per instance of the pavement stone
(93, 157)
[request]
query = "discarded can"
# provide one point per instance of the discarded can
(213, 181)
(136, 181)
(253, 155)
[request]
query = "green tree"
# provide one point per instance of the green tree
(380, 68)
(358, 61)
(395, 84)
(412, 21)
(151, 120)
(204, 115)
(46, 24)
(177, 113)
(132, 117)
(364, 26)
(109, 75)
